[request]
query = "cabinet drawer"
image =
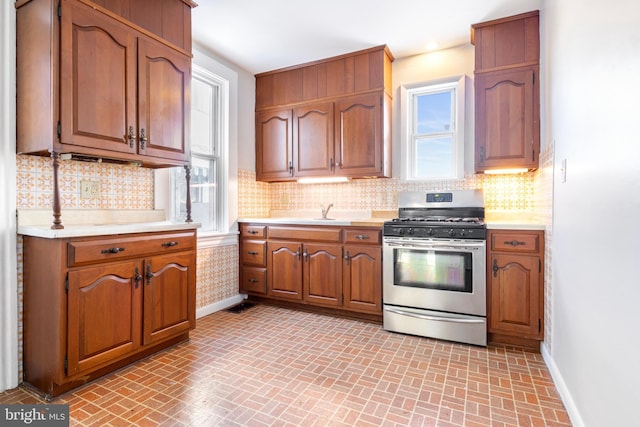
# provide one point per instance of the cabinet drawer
(253, 231)
(254, 253)
(320, 234)
(114, 248)
(254, 280)
(516, 241)
(362, 236)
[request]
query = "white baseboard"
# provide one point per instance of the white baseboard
(220, 305)
(563, 390)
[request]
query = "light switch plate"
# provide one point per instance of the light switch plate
(89, 189)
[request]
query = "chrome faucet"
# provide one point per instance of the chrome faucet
(325, 211)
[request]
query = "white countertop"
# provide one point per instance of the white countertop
(96, 222)
(494, 220)
(337, 217)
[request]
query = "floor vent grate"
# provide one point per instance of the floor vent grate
(240, 307)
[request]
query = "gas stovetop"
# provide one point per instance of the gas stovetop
(449, 215)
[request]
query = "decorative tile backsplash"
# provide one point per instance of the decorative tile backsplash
(501, 193)
(120, 186)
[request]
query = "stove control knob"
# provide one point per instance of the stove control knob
(430, 231)
(452, 232)
(400, 231)
(463, 232)
(410, 231)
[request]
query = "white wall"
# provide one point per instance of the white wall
(8, 262)
(438, 65)
(592, 51)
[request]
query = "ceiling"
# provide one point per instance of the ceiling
(264, 35)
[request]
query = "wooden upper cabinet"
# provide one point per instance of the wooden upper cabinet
(507, 119)
(164, 78)
(274, 153)
(349, 74)
(508, 42)
(98, 102)
(94, 84)
(359, 135)
(313, 135)
(507, 90)
(341, 112)
(169, 19)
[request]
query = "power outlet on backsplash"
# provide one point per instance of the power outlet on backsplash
(89, 189)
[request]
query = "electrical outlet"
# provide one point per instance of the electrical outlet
(89, 189)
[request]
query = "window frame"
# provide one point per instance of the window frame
(408, 118)
(218, 160)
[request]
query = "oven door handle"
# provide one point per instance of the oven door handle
(436, 246)
(436, 318)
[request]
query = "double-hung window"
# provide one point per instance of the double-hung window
(208, 142)
(433, 130)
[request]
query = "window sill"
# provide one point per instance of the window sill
(208, 239)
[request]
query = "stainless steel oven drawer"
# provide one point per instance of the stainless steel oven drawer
(435, 324)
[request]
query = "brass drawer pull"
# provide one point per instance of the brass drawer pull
(112, 250)
(252, 232)
(362, 237)
(515, 243)
(169, 244)
(253, 253)
(252, 280)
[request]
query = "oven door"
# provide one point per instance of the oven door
(432, 274)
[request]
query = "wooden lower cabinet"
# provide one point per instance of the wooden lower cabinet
(92, 305)
(330, 267)
(362, 278)
(284, 267)
(515, 287)
(322, 274)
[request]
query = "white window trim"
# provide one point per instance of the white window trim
(222, 214)
(406, 111)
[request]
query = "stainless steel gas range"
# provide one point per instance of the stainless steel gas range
(434, 282)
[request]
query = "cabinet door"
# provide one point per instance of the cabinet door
(284, 267)
(515, 295)
(362, 278)
(104, 314)
(507, 125)
(323, 274)
(97, 80)
(274, 146)
(164, 79)
(359, 136)
(169, 280)
(313, 140)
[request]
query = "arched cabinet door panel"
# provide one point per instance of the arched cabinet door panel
(167, 296)
(105, 313)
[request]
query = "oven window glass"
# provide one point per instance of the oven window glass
(433, 270)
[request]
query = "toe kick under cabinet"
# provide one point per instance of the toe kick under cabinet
(95, 304)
